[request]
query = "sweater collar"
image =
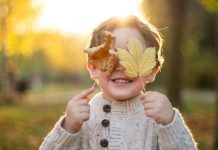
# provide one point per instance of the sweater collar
(127, 106)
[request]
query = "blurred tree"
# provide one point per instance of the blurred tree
(16, 17)
(64, 53)
(177, 13)
(212, 6)
(197, 42)
(173, 12)
(4, 78)
(198, 49)
(216, 107)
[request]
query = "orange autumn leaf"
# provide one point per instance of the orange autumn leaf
(103, 56)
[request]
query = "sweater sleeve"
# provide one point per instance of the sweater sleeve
(60, 139)
(175, 135)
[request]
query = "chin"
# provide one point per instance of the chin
(122, 96)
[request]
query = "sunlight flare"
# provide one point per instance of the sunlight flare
(82, 15)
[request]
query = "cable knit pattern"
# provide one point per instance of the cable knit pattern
(128, 129)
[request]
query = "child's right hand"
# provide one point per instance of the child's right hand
(78, 111)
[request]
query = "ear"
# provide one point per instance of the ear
(152, 75)
(93, 71)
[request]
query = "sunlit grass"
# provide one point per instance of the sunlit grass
(23, 127)
(200, 117)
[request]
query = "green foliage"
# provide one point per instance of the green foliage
(210, 5)
(198, 44)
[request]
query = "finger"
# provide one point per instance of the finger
(148, 100)
(85, 116)
(149, 113)
(82, 102)
(76, 103)
(148, 106)
(84, 109)
(142, 96)
(146, 95)
(84, 94)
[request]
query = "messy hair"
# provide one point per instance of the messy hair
(149, 32)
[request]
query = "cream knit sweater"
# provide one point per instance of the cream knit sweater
(125, 127)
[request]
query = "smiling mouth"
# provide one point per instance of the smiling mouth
(122, 80)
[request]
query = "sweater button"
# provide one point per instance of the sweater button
(107, 108)
(105, 122)
(104, 142)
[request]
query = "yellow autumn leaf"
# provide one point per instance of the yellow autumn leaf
(136, 61)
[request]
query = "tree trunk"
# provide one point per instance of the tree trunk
(5, 81)
(174, 57)
(216, 106)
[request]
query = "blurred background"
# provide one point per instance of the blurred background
(42, 64)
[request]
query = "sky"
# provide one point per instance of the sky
(79, 16)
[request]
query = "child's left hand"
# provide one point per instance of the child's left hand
(158, 107)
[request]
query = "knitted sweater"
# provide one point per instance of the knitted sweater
(121, 126)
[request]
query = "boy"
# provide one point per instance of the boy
(121, 117)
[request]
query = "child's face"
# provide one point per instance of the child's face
(118, 86)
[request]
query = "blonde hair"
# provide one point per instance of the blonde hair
(148, 31)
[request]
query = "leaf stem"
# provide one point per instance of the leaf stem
(94, 84)
(142, 84)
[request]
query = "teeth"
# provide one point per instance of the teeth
(121, 81)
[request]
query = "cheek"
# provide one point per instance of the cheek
(102, 79)
(141, 84)
(146, 79)
(137, 85)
